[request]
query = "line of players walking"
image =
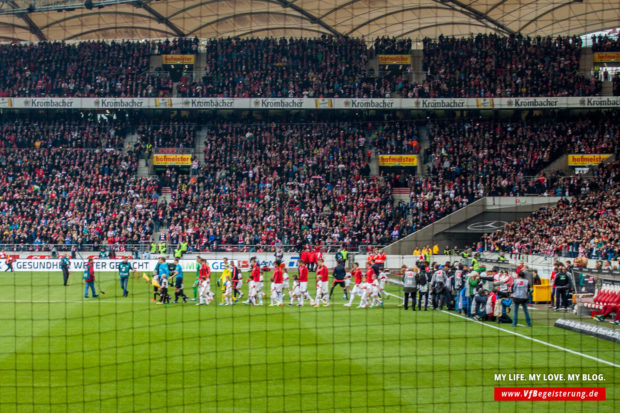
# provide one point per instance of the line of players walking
(369, 287)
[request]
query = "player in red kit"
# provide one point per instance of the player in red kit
(303, 283)
(277, 279)
(357, 284)
(367, 286)
(322, 294)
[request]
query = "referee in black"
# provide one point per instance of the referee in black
(339, 275)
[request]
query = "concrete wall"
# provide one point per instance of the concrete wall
(435, 233)
(519, 203)
(429, 234)
(586, 62)
(155, 62)
(560, 164)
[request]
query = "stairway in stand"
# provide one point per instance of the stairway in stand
(166, 193)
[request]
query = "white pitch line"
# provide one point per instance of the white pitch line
(107, 301)
(536, 340)
(66, 301)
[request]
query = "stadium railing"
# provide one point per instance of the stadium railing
(146, 246)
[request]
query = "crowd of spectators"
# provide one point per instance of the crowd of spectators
(38, 132)
(586, 225)
(84, 69)
(506, 157)
(430, 198)
(166, 134)
(394, 137)
(390, 45)
(269, 67)
(63, 195)
(282, 183)
(478, 66)
(604, 43)
(616, 84)
(179, 45)
(488, 65)
(271, 183)
(476, 158)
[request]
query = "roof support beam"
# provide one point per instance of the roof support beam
(399, 11)
(34, 29)
(478, 15)
(551, 10)
(495, 6)
(250, 13)
(99, 13)
(602, 23)
(339, 7)
(284, 28)
(312, 18)
(103, 29)
(160, 18)
(431, 26)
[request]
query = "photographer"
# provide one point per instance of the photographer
(460, 287)
(473, 282)
(480, 304)
(520, 292)
(438, 283)
(422, 282)
(409, 286)
(504, 282)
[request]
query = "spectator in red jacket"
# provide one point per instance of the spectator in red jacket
(312, 256)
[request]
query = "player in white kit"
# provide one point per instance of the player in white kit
(296, 291)
(228, 291)
(204, 287)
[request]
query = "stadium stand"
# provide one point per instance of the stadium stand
(67, 181)
(179, 45)
(33, 132)
(182, 186)
(319, 171)
(475, 158)
(390, 45)
(495, 66)
(326, 182)
(604, 43)
(269, 67)
(84, 69)
(73, 196)
(170, 134)
(588, 225)
(480, 66)
(506, 157)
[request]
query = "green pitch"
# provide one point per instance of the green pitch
(59, 352)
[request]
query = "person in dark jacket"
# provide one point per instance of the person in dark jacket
(422, 282)
(64, 265)
(89, 279)
(562, 285)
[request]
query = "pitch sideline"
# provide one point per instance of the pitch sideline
(536, 340)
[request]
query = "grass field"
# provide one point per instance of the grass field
(59, 352)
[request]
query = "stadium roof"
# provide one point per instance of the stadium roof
(32, 20)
